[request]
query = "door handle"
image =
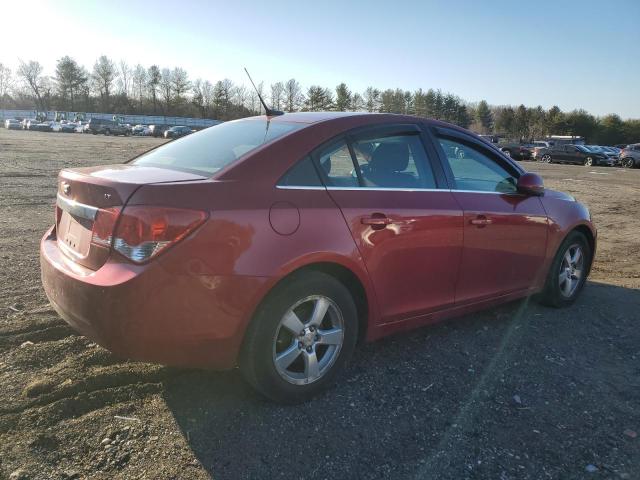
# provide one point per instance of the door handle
(376, 221)
(481, 221)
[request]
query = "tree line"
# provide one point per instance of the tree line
(121, 88)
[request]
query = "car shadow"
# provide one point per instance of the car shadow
(498, 394)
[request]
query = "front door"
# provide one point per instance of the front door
(407, 228)
(505, 232)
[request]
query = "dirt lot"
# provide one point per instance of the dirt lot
(520, 392)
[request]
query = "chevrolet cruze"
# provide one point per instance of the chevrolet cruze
(278, 243)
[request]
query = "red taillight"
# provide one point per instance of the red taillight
(103, 226)
(143, 232)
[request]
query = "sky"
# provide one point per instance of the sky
(574, 54)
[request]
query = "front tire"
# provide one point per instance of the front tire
(568, 271)
(300, 338)
(588, 162)
(546, 158)
(628, 163)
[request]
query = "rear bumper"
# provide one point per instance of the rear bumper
(155, 312)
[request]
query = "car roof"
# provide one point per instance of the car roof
(357, 118)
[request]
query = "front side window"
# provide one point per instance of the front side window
(475, 170)
(216, 147)
(398, 161)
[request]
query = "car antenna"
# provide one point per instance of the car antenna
(269, 111)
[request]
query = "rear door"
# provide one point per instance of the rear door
(505, 232)
(405, 222)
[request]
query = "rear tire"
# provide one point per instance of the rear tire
(588, 162)
(567, 277)
(628, 163)
(287, 355)
(546, 158)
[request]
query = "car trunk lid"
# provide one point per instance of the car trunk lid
(89, 201)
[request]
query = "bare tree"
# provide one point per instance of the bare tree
(240, 96)
(277, 95)
(166, 88)
(125, 78)
(180, 85)
(154, 76)
(31, 75)
(293, 97)
(139, 81)
(207, 96)
(5, 83)
(104, 74)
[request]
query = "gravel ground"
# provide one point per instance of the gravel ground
(518, 392)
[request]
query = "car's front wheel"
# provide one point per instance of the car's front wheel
(568, 271)
(588, 162)
(628, 162)
(300, 338)
(546, 158)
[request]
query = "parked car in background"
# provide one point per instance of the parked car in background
(177, 132)
(63, 127)
(275, 244)
(605, 150)
(140, 130)
(630, 156)
(107, 127)
(12, 124)
(158, 129)
(517, 151)
(577, 154)
(539, 146)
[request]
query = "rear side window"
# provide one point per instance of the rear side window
(302, 174)
(337, 166)
(216, 147)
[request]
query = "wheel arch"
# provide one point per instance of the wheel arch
(345, 275)
(591, 238)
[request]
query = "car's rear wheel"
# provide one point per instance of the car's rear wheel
(588, 162)
(568, 271)
(546, 158)
(300, 338)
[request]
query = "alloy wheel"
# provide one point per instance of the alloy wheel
(308, 340)
(546, 158)
(628, 162)
(571, 270)
(588, 162)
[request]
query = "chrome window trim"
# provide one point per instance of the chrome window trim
(380, 189)
(299, 187)
(77, 209)
(486, 191)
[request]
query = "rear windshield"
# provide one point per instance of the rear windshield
(216, 147)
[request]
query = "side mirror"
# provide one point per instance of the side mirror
(531, 184)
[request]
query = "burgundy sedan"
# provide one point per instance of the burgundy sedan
(278, 243)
